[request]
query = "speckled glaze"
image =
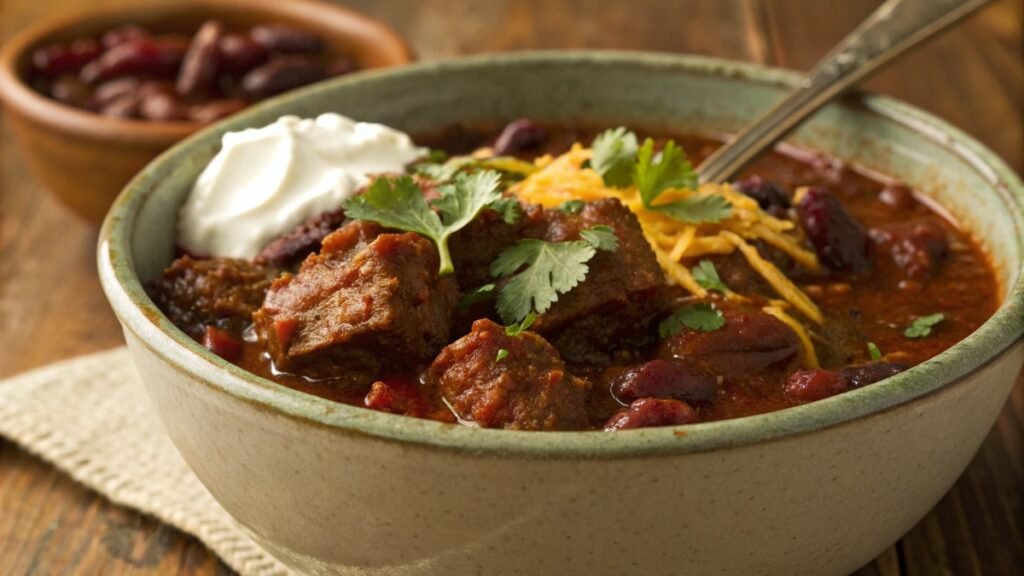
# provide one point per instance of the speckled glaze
(819, 489)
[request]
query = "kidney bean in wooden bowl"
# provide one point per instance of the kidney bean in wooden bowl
(92, 98)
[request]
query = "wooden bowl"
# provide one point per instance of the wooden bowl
(85, 158)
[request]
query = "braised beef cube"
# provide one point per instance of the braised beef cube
(749, 342)
(368, 302)
(652, 412)
(477, 245)
(839, 240)
(221, 292)
(676, 380)
(303, 240)
(408, 398)
(616, 304)
(526, 388)
(916, 247)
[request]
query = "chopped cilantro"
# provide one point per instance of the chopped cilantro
(479, 295)
(517, 328)
(706, 275)
(511, 169)
(614, 154)
(541, 270)
(654, 174)
(572, 206)
(922, 325)
(873, 352)
(620, 162)
(502, 354)
(601, 237)
(701, 316)
(399, 203)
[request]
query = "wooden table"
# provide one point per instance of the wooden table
(51, 306)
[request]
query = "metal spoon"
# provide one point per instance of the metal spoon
(892, 29)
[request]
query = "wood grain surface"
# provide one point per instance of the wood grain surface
(51, 305)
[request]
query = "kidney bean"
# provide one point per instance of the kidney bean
(341, 66)
(238, 53)
(140, 56)
(58, 59)
(111, 89)
(651, 412)
(280, 74)
(222, 343)
(215, 110)
(770, 196)
(124, 106)
(118, 35)
(676, 380)
(748, 342)
(292, 247)
(520, 136)
(68, 89)
(284, 39)
(917, 247)
(811, 385)
(840, 241)
(162, 107)
(864, 374)
(198, 71)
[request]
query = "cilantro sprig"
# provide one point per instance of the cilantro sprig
(706, 275)
(539, 271)
(873, 352)
(621, 163)
(399, 203)
(922, 325)
(702, 317)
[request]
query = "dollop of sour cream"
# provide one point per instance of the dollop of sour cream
(265, 181)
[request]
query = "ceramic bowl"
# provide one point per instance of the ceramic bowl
(818, 489)
(86, 158)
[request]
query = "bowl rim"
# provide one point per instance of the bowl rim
(18, 95)
(139, 315)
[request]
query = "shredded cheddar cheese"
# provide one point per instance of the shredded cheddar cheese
(566, 177)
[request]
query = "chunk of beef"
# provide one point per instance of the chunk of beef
(408, 398)
(220, 292)
(288, 250)
(477, 245)
(916, 247)
(676, 380)
(527, 389)
(811, 385)
(838, 238)
(369, 301)
(614, 307)
(748, 342)
(651, 412)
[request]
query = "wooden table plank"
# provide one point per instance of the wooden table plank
(51, 306)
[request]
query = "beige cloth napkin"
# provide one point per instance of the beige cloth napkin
(91, 418)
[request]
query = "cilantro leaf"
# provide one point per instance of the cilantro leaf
(510, 168)
(479, 295)
(519, 327)
(501, 355)
(922, 325)
(399, 203)
(572, 206)
(670, 169)
(700, 316)
(706, 275)
(509, 208)
(614, 153)
(601, 237)
(542, 270)
(873, 352)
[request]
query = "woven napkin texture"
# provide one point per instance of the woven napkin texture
(91, 418)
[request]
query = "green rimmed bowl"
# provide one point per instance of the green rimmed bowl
(818, 489)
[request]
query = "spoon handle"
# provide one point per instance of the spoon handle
(893, 28)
